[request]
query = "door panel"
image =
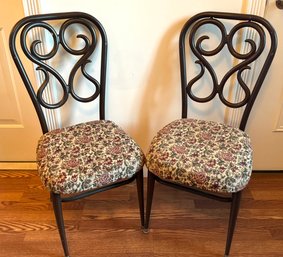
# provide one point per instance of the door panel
(266, 122)
(19, 127)
(9, 117)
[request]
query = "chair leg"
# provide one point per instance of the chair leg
(150, 191)
(57, 206)
(235, 206)
(140, 189)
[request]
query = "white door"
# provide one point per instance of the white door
(19, 127)
(266, 122)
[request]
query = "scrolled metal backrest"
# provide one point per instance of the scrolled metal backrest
(195, 41)
(62, 22)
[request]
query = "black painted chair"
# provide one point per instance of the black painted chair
(212, 158)
(78, 160)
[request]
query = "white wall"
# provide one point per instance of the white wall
(143, 75)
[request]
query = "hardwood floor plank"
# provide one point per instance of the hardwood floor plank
(108, 225)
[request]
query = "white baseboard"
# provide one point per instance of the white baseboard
(18, 166)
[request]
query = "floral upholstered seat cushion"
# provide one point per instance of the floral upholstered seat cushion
(204, 154)
(87, 156)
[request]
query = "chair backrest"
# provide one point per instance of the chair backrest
(74, 36)
(193, 38)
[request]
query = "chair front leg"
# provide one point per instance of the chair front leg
(57, 207)
(235, 206)
(140, 189)
(150, 191)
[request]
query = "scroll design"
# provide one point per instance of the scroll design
(226, 39)
(59, 38)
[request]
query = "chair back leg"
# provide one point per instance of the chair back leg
(150, 191)
(57, 207)
(235, 206)
(140, 189)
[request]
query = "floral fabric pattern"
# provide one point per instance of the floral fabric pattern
(87, 156)
(203, 154)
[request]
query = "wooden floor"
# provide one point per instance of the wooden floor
(107, 224)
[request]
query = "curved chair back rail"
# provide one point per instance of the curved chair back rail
(95, 33)
(190, 37)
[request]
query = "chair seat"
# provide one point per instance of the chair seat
(203, 154)
(87, 156)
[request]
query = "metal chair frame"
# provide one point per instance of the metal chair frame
(96, 31)
(188, 35)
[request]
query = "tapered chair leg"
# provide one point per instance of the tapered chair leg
(150, 191)
(140, 189)
(57, 206)
(235, 206)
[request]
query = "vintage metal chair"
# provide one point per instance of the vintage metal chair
(78, 160)
(212, 158)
